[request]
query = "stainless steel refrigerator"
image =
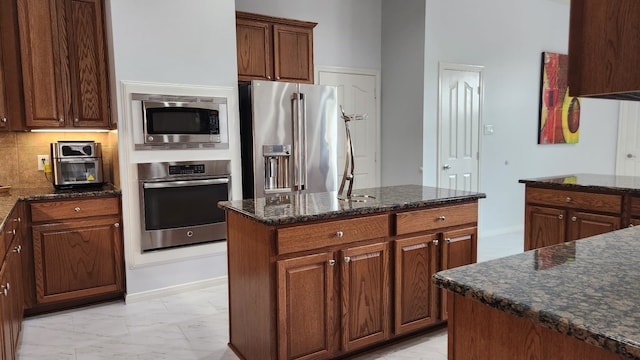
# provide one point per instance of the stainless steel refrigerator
(289, 138)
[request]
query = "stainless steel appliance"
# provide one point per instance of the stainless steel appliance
(76, 164)
(181, 121)
(289, 138)
(179, 202)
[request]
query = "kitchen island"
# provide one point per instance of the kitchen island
(571, 207)
(576, 300)
(311, 276)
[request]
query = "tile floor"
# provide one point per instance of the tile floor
(189, 326)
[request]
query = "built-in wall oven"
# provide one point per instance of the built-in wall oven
(179, 202)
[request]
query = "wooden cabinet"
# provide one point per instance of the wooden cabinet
(360, 281)
(64, 66)
(77, 250)
(447, 238)
(270, 48)
(11, 103)
(604, 51)
(555, 216)
(11, 301)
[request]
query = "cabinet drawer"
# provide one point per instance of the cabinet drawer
(441, 217)
(62, 210)
(575, 200)
(315, 236)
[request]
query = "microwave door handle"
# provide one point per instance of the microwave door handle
(183, 183)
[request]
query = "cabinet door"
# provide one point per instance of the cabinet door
(293, 53)
(460, 247)
(15, 292)
(77, 259)
(306, 309)
(87, 60)
(543, 226)
(44, 83)
(253, 41)
(4, 124)
(6, 316)
(415, 295)
(584, 224)
(365, 295)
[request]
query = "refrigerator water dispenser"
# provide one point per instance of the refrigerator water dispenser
(276, 167)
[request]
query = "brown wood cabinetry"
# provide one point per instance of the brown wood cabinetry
(11, 104)
(11, 297)
(604, 50)
(64, 67)
(554, 216)
(270, 48)
(77, 251)
(340, 285)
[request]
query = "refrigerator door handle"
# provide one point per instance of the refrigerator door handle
(298, 141)
(303, 141)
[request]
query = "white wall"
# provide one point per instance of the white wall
(189, 42)
(347, 34)
(403, 29)
(507, 37)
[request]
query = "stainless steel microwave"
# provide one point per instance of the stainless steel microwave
(182, 121)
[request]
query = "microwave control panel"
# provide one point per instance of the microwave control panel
(186, 169)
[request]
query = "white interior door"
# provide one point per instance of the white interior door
(459, 124)
(628, 154)
(357, 95)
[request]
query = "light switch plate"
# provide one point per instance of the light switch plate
(488, 129)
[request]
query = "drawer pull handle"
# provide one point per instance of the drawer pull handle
(436, 242)
(347, 259)
(77, 209)
(568, 199)
(574, 218)
(442, 218)
(332, 262)
(560, 216)
(339, 234)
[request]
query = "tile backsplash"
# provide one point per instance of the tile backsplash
(19, 156)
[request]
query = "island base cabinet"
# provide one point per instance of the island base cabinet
(460, 248)
(416, 260)
(479, 332)
(77, 259)
(312, 324)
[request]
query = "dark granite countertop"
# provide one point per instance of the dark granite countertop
(294, 207)
(10, 198)
(589, 182)
(588, 289)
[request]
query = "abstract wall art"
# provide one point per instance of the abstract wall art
(559, 112)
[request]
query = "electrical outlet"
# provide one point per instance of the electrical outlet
(42, 161)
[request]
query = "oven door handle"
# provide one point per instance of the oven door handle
(183, 183)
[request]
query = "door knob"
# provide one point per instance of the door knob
(446, 167)
(629, 156)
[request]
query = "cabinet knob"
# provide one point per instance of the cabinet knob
(560, 216)
(448, 240)
(339, 234)
(13, 231)
(277, 77)
(17, 249)
(268, 77)
(332, 262)
(630, 225)
(116, 225)
(442, 218)
(75, 120)
(3, 120)
(436, 242)
(5, 289)
(61, 120)
(573, 218)
(77, 209)
(347, 259)
(568, 199)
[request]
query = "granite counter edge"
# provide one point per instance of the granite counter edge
(580, 187)
(541, 317)
(335, 214)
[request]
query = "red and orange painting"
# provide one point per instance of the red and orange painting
(559, 112)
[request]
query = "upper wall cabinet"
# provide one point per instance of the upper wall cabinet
(11, 104)
(604, 49)
(64, 65)
(272, 48)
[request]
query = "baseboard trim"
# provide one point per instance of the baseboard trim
(173, 290)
